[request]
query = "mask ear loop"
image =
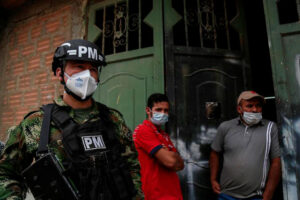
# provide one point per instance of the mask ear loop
(241, 113)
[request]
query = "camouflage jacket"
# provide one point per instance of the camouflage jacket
(23, 141)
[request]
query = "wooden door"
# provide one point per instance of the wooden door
(130, 35)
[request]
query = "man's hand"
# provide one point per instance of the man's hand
(214, 169)
(216, 187)
(274, 177)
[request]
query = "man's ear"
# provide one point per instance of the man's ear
(58, 74)
(239, 109)
(58, 71)
(148, 110)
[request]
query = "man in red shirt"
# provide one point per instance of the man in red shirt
(158, 157)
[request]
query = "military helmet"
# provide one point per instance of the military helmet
(77, 50)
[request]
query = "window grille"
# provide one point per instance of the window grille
(206, 24)
(122, 26)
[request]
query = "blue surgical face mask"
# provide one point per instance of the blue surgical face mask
(159, 118)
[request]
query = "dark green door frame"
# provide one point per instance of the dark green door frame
(284, 45)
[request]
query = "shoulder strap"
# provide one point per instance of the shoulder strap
(63, 120)
(60, 117)
(44, 136)
(67, 125)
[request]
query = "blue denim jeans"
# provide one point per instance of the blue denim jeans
(223, 196)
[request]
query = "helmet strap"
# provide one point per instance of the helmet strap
(68, 91)
(62, 66)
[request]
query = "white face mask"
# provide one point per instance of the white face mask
(81, 84)
(159, 118)
(252, 118)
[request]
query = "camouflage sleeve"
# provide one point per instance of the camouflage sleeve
(130, 153)
(11, 186)
(14, 158)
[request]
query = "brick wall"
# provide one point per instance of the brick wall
(28, 42)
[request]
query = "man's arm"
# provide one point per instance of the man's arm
(11, 185)
(130, 154)
(274, 176)
(214, 162)
(169, 159)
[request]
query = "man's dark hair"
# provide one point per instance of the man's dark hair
(156, 98)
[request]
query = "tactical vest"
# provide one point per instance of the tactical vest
(94, 165)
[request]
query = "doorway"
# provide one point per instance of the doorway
(260, 62)
(261, 72)
(202, 52)
(213, 51)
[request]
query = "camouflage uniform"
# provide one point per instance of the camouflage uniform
(20, 149)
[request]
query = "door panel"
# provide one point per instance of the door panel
(125, 89)
(201, 81)
(282, 19)
(130, 35)
(206, 67)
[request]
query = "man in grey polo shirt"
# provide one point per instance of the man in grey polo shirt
(251, 155)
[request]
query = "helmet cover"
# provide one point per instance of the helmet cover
(77, 50)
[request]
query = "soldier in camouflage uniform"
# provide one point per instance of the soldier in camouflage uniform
(22, 144)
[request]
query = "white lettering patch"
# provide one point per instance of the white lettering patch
(84, 51)
(93, 142)
(72, 52)
(81, 50)
(92, 53)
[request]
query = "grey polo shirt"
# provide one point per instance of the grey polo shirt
(247, 151)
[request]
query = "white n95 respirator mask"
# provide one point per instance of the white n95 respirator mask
(81, 84)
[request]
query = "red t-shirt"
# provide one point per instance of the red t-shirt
(158, 182)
